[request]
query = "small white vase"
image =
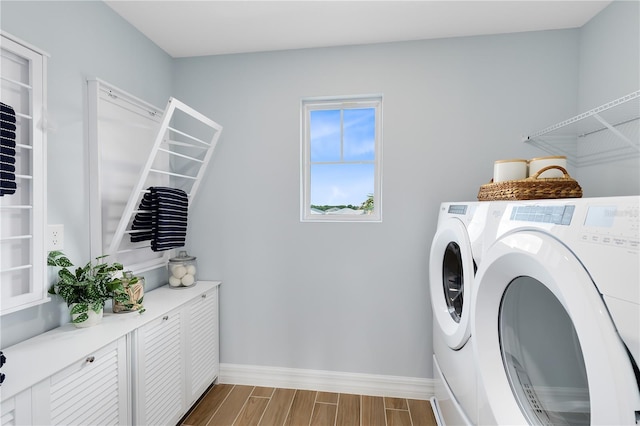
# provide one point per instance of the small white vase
(93, 318)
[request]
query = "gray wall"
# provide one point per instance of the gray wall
(341, 297)
(84, 38)
(610, 69)
(353, 297)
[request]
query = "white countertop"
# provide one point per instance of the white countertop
(35, 359)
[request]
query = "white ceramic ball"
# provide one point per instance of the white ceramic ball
(191, 269)
(174, 282)
(188, 280)
(179, 271)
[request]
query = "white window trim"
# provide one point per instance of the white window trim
(338, 102)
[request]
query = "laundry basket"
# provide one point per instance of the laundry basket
(532, 188)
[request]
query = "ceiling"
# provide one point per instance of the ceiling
(185, 28)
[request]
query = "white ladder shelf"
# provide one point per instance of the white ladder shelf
(185, 143)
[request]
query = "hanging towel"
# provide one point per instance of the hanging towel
(7, 150)
(162, 218)
(143, 221)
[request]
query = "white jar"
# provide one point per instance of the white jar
(514, 169)
(535, 164)
(182, 270)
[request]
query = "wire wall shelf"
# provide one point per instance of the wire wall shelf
(607, 133)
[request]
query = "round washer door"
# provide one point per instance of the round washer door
(546, 349)
(451, 272)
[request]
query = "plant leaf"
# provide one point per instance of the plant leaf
(97, 306)
(81, 318)
(79, 308)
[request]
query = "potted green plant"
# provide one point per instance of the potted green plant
(88, 288)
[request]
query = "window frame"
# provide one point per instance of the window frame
(342, 103)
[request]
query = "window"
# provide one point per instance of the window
(341, 159)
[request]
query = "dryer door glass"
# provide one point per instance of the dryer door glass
(452, 280)
(542, 355)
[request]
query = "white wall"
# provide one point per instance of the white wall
(609, 69)
(344, 296)
(84, 38)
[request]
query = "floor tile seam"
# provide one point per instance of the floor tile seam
(337, 404)
(219, 406)
(313, 408)
(384, 399)
(266, 407)
(409, 409)
(326, 403)
(286, 417)
(243, 405)
(264, 410)
(335, 422)
(273, 390)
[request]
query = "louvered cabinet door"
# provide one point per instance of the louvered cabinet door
(159, 387)
(202, 343)
(92, 391)
(16, 410)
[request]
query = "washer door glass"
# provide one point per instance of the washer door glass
(453, 280)
(542, 355)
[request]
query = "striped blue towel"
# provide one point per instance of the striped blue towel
(162, 218)
(7, 150)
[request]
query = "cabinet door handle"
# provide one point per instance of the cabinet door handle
(91, 359)
(204, 296)
(166, 317)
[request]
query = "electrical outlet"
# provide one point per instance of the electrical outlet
(56, 237)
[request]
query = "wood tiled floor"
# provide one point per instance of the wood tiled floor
(237, 405)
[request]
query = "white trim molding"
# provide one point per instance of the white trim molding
(328, 381)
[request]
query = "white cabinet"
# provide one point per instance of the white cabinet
(202, 344)
(130, 369)
(16, 410)
(159, 387)
(91, 391)
(176, 360)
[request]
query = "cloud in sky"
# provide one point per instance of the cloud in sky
(346, 180)
(336, 184)
(357, 136)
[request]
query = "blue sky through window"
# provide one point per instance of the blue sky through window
(342, 153)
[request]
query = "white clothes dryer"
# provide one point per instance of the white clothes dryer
(556, 314)
(455, 251)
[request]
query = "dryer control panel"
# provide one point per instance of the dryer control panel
(616, 225)
(556, 215)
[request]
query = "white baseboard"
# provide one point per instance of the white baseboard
(327, 381)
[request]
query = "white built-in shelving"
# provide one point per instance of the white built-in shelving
(603, 134)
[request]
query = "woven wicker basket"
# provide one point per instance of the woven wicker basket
(532, 188)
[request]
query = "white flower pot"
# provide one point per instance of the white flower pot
(94, 318)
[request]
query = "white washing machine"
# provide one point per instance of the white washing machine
(556, 314)
(455, 251)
